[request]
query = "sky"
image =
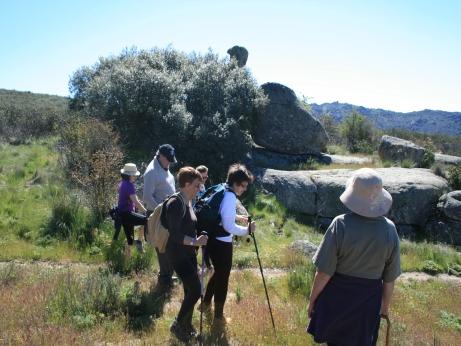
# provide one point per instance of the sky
(398, 55)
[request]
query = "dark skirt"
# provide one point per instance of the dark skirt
(347, 311)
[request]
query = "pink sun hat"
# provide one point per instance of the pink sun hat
(365, 195)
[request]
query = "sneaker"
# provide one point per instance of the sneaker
(192, 331)
(181, 333)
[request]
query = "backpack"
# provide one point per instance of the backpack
(207, 210)
(157, 225)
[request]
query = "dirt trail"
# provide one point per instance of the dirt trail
(269, 273)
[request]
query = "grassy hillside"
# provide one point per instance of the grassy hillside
(29, 100)
(26, 115)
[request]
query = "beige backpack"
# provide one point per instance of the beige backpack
(158, 234)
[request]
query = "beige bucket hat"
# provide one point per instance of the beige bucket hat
(130, 169)
(364, 194)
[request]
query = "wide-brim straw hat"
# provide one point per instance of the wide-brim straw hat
(365, 195)
(130, 169)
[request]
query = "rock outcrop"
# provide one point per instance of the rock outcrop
(450, 205)
(294, 189)
(447, 159)
(397, 150)
(415, 191)
(305, 247)
(285, 126)
(240, 54)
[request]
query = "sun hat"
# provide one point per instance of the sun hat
(364, 194)
(130, 169)
(168, 151)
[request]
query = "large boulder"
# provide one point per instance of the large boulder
(294, 189)
(447, 159)
(305, 247)
(415, 191)
(450, 205)
(397, 150)
(285, 126)
(444, 231)
(262, 157)
(240, 54)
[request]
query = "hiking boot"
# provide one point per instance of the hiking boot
(183, 334)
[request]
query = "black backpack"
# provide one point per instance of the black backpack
(207, 211)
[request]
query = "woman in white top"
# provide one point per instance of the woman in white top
(220, 247)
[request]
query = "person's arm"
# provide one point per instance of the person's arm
(148, 190)
(137, 203)
(228, 215)
(388, 290)
(320, 281)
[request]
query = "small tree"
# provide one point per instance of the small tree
(92, 159)
(331, 127)
(358, 133)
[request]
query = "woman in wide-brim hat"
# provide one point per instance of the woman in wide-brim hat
(357, 264)
(128, 202)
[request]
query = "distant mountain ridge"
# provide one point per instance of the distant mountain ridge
(427, 121)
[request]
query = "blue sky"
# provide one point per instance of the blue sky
(399, 55)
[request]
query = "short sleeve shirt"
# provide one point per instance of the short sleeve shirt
(361, 247)
(125, 190)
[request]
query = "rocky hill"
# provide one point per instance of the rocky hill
(428, 121)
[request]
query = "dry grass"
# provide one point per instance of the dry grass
(25, 314)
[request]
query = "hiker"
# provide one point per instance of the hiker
(159, 184)
(127, 201)
(357, 264)
(181, 248)
(203, 170)
(219, 245)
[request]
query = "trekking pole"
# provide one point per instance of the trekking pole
(388, 328)
(202, 291)
(261, 270)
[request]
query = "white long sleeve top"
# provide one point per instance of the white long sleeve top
(227, 210)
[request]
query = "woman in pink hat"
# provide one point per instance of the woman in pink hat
(357, 264)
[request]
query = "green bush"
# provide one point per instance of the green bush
(165, 96)
(431, 268)
(454, 177)
(119, 264)
(407, 163)
(300, 279)
(450, 320)
(454, 269)
(358, 133)
(91, 157)
(85, 301)
(428, 159)
(10, 274)
(68, 221)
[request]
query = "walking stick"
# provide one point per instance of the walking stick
(202, 291)
(388, 328)
(261, 270)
